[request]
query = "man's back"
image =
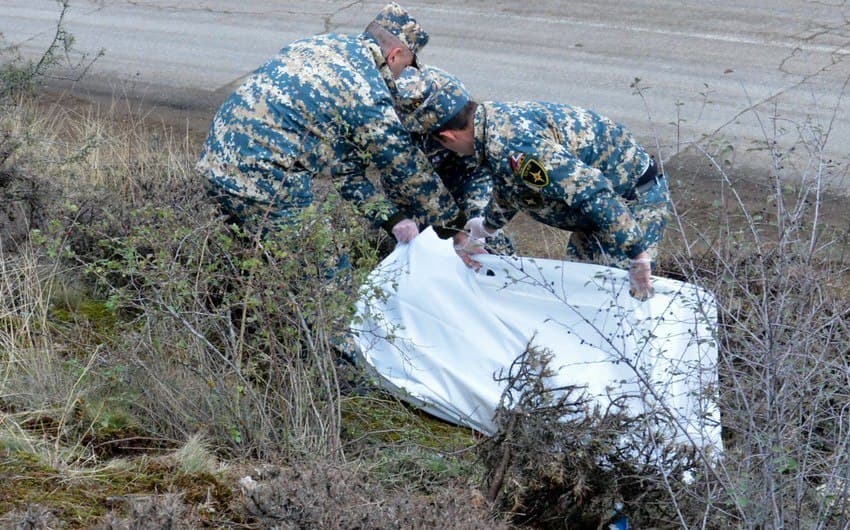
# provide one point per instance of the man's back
(563, 135)
(323, 106)
(297, 111)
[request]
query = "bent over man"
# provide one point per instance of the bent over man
(564, 166)
(470, 188)
(323, 106)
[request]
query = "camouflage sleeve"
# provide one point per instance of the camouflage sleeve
(498, 211)
(407, 178)
(475, 191)
(459, 174)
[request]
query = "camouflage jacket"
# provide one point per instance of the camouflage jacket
(564, 166)
(323, 106)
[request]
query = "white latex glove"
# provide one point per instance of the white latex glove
(477, 230)
(405, 230)
(466, 247)
(640, 281)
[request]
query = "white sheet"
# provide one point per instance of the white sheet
(438, 333)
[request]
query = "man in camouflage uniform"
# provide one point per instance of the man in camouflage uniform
(470, 187)
(323, 106)
(564, 166)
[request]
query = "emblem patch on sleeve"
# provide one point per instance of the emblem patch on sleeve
(531, 171)
(516, 162)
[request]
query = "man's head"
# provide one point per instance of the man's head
(399, 35)
(432, 101)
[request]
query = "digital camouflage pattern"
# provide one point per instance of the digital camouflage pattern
(469, 188)
(565, 166)
(397, 21)
(650, 209)
(428, 97)
(469, 185)
(322, 106)
(574, 169)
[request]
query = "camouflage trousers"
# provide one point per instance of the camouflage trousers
(651, 210)
(267, 213)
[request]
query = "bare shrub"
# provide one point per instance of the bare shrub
(25, 194)
(315, 495)
(22, 205)
(250, 327)
(207, 329)
(150, 512)
(34, 517)
(778, 267)
(559, 460)
(60, 376)
(18, 75)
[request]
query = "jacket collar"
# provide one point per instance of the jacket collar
(380, 62)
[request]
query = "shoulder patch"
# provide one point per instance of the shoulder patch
(532, 172)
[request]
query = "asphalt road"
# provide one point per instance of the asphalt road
(733, 71)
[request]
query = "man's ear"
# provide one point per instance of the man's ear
(446, 136)
(394, 54)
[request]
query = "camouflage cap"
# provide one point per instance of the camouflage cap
(398, 21)
(428, 98)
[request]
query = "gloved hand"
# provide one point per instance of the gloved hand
(466, 247)
(405, 230)
(640, 281)
(477, 230)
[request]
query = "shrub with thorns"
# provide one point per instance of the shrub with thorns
(558, 459)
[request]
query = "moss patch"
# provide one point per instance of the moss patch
(82, 497)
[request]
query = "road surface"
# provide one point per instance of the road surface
(735, 72)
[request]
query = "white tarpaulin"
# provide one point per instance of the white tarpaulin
(438, 334)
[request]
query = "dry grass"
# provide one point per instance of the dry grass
(141, 339)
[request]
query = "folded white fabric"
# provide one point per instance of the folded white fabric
(438, 334)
